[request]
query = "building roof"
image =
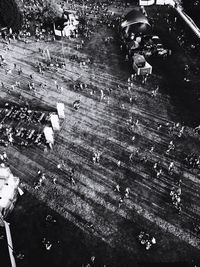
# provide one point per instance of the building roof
(135, 17)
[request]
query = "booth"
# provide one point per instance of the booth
(61, 110)
(140, 65)
(55, 122)
(48, 133)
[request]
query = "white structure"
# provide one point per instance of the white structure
(67, 27)
(55, 122)
(156, 2)
(146, 2)
(61, 110)
(46, 54)
(67, 30)
(8, 190)
(165, 2)
(140, 65)
(73, 20)
(57, 32)
(48, 133)
(10, 244)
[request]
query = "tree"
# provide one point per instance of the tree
(50, 10)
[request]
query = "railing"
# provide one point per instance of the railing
(10, 244)
(189, 21)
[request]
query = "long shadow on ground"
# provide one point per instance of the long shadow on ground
(71, 246)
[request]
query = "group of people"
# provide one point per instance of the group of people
(28, 130)
(176, 131)
(146, 240)
(192, 161)
(175, 195)
(41, 178)
(37, 138)
(124, 194)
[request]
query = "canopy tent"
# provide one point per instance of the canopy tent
(61, 110)
(139, 28)
(68, 30)
(134, 17)
(55, 122)
(66, 25)
(135, 21)
(48, 133)
(8, 190)
(58, 26)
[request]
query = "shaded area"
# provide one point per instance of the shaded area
(72, 246)
(192, 8)
(10, 15)
(185, 96)
(99, 125)
(5, 260)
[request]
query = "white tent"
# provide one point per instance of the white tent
(68, 30)
(67, 27)
(61, 110)
(55, 122)
(57, 32)
(146, 2)
(46, 54)
(8, 190)
(48, 133)
(73, 20)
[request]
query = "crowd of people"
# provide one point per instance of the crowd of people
(22, 126)
(192, 161)
(24, 137)
(175, 194)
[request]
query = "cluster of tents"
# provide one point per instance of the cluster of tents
(66, 25)
(132, 28)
